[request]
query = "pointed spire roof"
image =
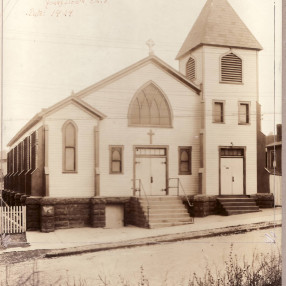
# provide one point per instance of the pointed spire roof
(219, 25)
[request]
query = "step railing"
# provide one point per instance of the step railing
(179, 186)
(141, 188)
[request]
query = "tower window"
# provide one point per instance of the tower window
(218, 111)
(191, 69)
(231, 69)
(243, 113)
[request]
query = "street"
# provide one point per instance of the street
(163, 264)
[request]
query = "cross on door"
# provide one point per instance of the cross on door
(151, 133)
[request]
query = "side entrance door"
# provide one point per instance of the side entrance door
(231, 176)
(151, 170)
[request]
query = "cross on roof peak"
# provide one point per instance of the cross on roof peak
(150, 43)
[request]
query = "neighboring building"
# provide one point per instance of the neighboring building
(274, 164)
(262, 173)
(149, 127)
(3, 168)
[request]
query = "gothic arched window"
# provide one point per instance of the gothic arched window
(231, 68)
(191, 69)
(69, 147)
(149, 107)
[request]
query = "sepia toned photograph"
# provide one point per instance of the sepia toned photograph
(141, 143)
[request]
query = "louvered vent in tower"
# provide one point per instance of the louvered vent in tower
(191, 69)
(231, 68)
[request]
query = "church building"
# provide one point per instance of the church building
(147, 136)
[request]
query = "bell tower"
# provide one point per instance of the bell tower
(221, 55)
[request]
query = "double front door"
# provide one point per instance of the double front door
(151, 170)
(231, 176)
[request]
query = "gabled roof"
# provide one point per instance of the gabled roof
(219, 25)
(152, 58)
(47, 111)
(76, 98)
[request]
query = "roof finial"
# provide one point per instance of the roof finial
(150, 43)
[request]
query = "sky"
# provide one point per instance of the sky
(52, 48)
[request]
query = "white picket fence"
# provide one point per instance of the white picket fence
(13, 219)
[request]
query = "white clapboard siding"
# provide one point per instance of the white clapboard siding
(80, 183)
(229, 132)
(114, 99)
(13, 219)
(275, 184)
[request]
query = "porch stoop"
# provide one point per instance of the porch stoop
(165, 211)
(231, 205)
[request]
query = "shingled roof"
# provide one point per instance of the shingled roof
(219, 25)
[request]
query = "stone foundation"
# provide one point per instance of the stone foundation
(264, 200)
(47, 214)
(97, 212)
(204, 205)
(33, 209)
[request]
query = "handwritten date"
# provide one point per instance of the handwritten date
(61, 8)
(62, 13)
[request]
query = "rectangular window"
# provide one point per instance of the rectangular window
(185, 160)
(218, 111)
(243, 113)
(116, 160)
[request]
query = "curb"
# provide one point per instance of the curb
(154, 240)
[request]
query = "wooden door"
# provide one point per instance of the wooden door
(152, 173)
(231, 176)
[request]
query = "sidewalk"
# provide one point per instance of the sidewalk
(78, 240)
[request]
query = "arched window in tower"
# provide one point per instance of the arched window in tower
(191, 69)
(69, 147)
(149, 107)
(231, 68)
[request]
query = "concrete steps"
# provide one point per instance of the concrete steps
(165, 211)
(231, 205)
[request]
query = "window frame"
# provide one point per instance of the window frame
(220, 70)
(222, 102)
(180, 151)
(113, 148)
(64, 170)
(248, 104)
